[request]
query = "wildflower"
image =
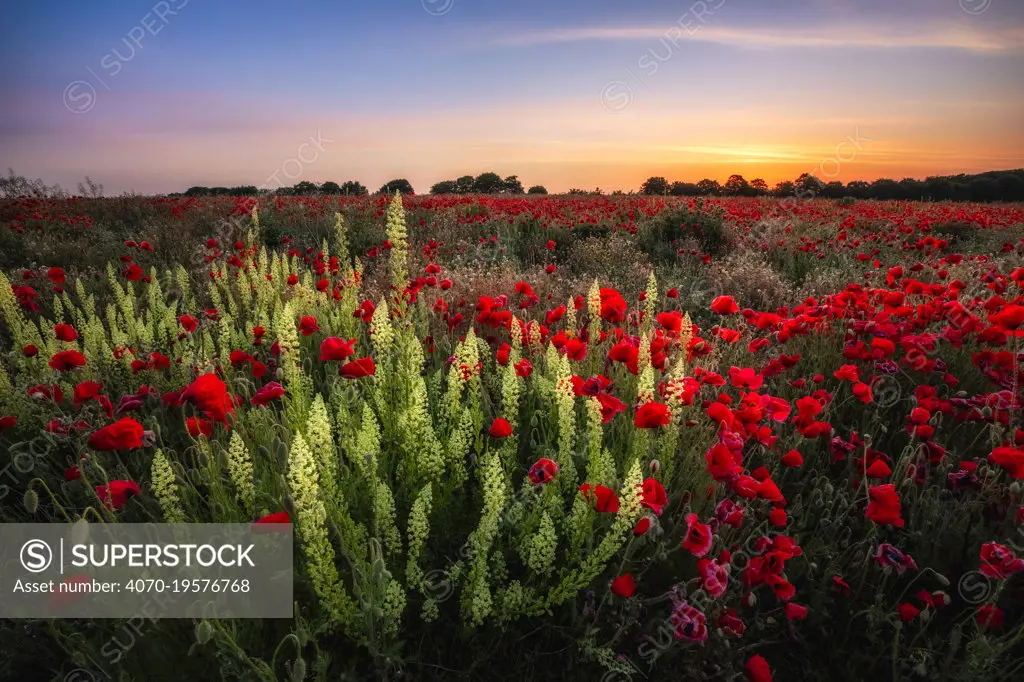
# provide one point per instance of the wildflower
(757, 670)
(65, 332)
(124, 434)
(500, 428)
(542, 471)
(197, 426)
(271, 391)
(714, 575)
(724, 305)
(884, 507)
(698, 536)
(989, 616)
(65, 360)
(308, 325)
(652, 415)
(188, 323)
(654, 497)
(642, 526)
(624, 586)
(333, 348)
(690, 624)
(117, 494)
(357, 369)
(210, 395)
(999, 562)
(889, 556)
(603, 498)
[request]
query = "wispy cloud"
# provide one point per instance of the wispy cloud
(955, 37)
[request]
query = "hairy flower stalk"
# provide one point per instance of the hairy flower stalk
(240, 469)
(311, 528)
(165, 489)
(565, 399)
(477, 602)
(541, 547)
(594, 313)
(298, 385)
(594, 564)
(399, 255)
(417, 533)
(650, 305)
(321, 442)
(340, 243)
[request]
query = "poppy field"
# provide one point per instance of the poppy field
(534, 437)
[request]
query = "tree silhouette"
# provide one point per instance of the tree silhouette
(654, 186)
(400, 185)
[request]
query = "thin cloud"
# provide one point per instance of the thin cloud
(1009, 39)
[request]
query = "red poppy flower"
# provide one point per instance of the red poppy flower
(210, 395)
(884, 507)
(603, 499)
(654, 497)
(65, 360)
(124, 434)
(613, 306)
(308, 325)
(239, 357)
(272, 523)
(848, 373)
(333, 348)
(1011, 459)
(576, 350)
(989, 616)
(757, 670)
(363, 367)
(116, 495)
(197, 426)
(7, 422)
(907, 611)
(794, 611)
(365, 311)
(271, 391)
(65, 332)
(652, 415)
(745, 378)
(500, 428)
(30, 351)
(259, 370)
(523, 368)
(724, 305)
(642, 526)
(714, 577)
(690, 623)
(624, 586)
(188, 323)
(698, 536)
(999, 562)
(542, 471)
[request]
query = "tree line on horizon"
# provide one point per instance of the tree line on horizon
(989, 186)
(981, 187)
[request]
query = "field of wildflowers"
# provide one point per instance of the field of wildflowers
(533, 438)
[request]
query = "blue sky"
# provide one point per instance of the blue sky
(158, 96)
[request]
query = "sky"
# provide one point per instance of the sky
(157, 96)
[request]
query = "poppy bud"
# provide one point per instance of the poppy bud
(750, 599)
(655, 465)
(279, 373)
(1016, 487)
(299, 669)
(204, 631)
(31, 501)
